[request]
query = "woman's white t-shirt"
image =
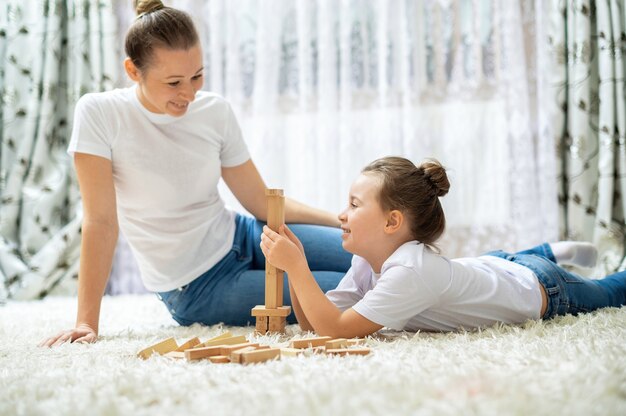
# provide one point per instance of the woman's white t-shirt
(418, 289)
(166, 171)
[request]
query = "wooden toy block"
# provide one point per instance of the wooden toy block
(223, 341)
(225, 335)
(258, 356)
(175, 354)
(277, 324)
(355, 341)
(349, 351)
(204, 352)
(227, 350)
(336, 343)
(161, 348)
(263, 310)
(219, 359)
(273, 276)
(189, 344)
(309, 342)
(262, 324)
(273, 286)
(291, 352)
(235, 356)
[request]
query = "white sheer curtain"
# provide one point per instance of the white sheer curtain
(322, 87)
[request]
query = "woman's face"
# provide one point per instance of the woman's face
(363, 221)
(170, 82)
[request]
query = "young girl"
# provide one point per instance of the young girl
(398, 280)
(149, 158)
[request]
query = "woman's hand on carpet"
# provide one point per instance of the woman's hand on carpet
(82, 333)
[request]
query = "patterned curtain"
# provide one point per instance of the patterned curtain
(51, 52)
(588, 43)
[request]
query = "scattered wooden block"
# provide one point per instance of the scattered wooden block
(219, 359)
(161, 348)
(175, 354)
(349, 351)
(189, 344)
(223, 341)
(336, 343)
(204, 352)
(291, 352)
(320, 349)
(309, 342)
(235, 356)
(227, 350)
(258, 356)
(225, 335)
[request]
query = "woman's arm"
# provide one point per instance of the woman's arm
(99, 237)
(321, 314)
(246, 184)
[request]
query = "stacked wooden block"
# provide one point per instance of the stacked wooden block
(226, 348)
(272, 316)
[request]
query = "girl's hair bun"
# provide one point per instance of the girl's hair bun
(436, 175)
(147, 6)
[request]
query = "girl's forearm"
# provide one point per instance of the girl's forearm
(297, 309)
(322, 315)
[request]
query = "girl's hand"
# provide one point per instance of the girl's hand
(82, 333)
(282, 250)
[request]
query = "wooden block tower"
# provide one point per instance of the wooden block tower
(271, 317)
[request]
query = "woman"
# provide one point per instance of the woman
(149, 158)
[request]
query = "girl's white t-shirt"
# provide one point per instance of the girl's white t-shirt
(418, 289)
(166, 171)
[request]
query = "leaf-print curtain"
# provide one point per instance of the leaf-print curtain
(51, 52)
(588, 41)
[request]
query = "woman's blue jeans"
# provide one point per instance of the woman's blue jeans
(568, 292)
(229, 290)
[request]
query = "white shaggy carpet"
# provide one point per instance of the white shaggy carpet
(571, 365)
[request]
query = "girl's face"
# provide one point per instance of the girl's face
(169, 84)
(363, 221)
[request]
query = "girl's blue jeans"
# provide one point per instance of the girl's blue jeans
(229, 290)
(568, 292)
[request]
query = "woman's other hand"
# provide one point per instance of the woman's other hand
(82, 333)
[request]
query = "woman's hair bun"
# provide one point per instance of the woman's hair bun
(148, 6)
(436, 174)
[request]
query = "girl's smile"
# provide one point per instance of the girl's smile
(363, 221)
